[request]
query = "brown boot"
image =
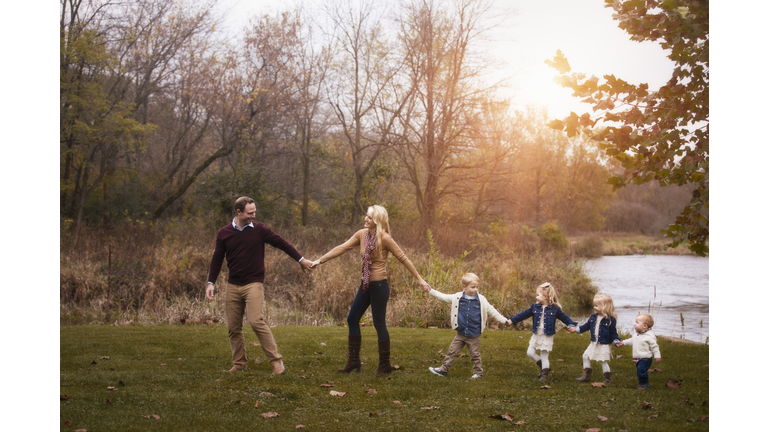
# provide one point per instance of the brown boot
(607, 378)
(353, 361)
(384, 366)
(538, 363)
(544, 374)
(586, 375)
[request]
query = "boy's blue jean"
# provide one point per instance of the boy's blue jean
(642, 371)
(377, 298)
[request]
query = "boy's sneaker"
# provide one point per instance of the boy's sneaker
(476, 376)
(437, 371)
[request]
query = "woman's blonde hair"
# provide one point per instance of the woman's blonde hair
(549, 293)
(606, 303)
(381, 219)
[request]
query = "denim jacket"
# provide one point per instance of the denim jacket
(552, 312)
(607, 333)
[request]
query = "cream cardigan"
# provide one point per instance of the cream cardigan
(485, 308)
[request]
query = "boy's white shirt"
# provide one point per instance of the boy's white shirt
(453, 299)
(644, 345)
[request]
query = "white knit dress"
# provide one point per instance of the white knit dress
(539, 340)
(596, 351)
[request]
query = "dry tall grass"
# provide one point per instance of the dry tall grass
(151, 273)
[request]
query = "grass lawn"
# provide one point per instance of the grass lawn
(179, 374)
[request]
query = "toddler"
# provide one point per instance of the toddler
(469, 313)
(602, 328)
(644, 348)
(544, 312)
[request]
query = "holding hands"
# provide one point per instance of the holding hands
(572, 329)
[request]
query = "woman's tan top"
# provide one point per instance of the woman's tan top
(378, 263)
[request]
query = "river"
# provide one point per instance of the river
(674, 288)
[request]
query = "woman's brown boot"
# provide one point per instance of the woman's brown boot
(586, 375)
(384, 366)
(353, 360)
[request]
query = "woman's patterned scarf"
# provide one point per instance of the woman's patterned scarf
(370, 245)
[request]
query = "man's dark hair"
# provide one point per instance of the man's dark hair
(241, 202)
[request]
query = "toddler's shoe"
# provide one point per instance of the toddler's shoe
(476, 376)
(642, 387)
(437, 371)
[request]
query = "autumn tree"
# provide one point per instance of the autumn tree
(441, 43)
(658, 135)
(366, 95)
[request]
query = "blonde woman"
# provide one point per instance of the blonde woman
(375, 243)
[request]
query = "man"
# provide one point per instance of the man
(242, 244)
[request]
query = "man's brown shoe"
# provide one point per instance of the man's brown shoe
(238, 368)
(278, 368)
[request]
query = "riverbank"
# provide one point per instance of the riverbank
(594, 245)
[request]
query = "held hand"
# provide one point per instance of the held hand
(425, 286)
(572, 330)
(209, 291)
(307, 264)
(658, 360)
(620, 344)
(509, 322)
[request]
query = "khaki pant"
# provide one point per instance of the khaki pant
(248, 300)
(473, 345)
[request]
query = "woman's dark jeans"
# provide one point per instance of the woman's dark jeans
(376, 297)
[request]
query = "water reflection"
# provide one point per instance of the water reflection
(675, 289)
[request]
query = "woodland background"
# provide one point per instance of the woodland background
(316, 114)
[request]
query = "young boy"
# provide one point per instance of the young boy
(469, 313)
(644, 348)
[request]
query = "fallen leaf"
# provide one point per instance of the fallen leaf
(105, 358)
(593, 430)
(647, 405)
(121, 383)
(372, 414)
(706, 365)
(270, 415)
(111, 388)
(81, 430)
(335, 393)
(371, 391)
(257, 360)
(217, 380)
(620, 356)
(602, 418)
(303, 376)
(431, 327)
(181, 359)
(560, 360)
(598, 384)
(283, 399)
(266, 394)
(397, 367)
(257, 404)
(326, 385)
(655, 370)
(672, 383)
(505, 416)
(397, 403)
(93, 362)
(430, 408)
(322, 343)
(163, 364)
(545, 387)
(67, 423)
(297, 408)
(521, 422)
(157, 417)
(300, 426)
(63, 397)
(704, 418)
(654, 416)
(318, 353)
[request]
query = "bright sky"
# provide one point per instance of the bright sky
(582, 29)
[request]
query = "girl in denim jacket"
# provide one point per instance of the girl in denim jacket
(602, 329)
(548, 306)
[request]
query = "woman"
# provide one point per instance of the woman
(375, 244)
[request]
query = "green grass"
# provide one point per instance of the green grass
(178, 372)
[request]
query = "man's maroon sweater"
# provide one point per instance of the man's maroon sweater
(244, 251)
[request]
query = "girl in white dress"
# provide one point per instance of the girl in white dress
(602, 328)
